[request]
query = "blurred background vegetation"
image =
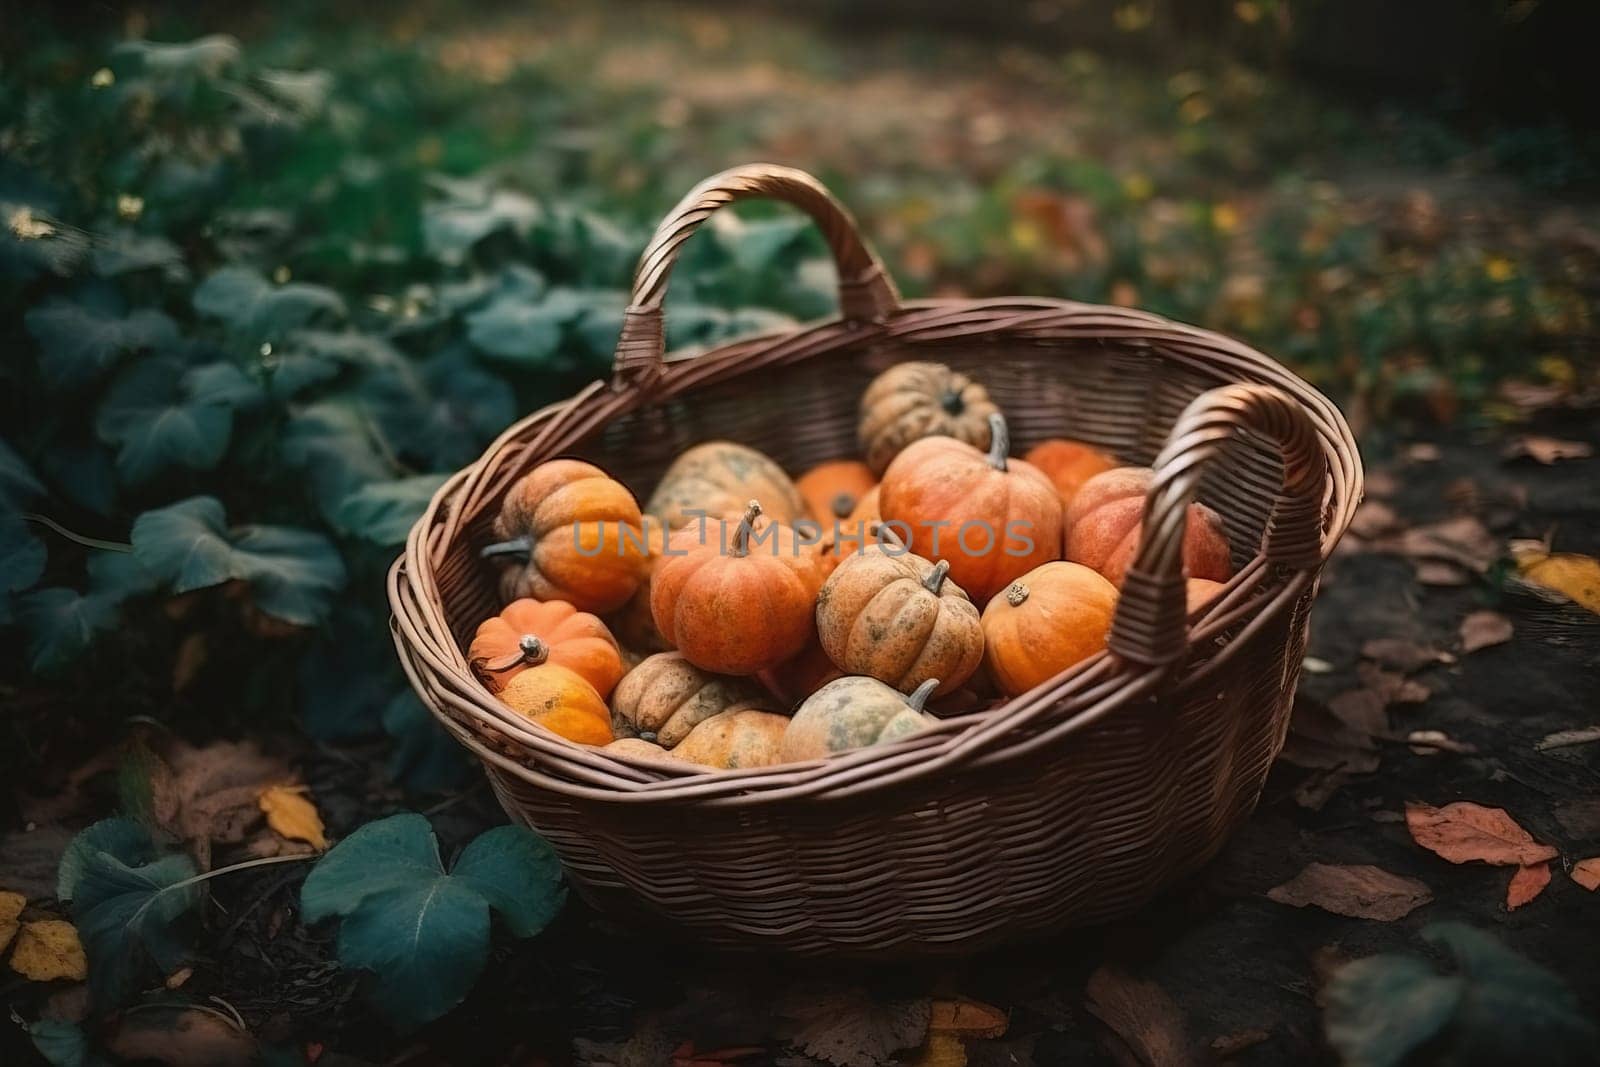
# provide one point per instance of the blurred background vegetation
(270, 274)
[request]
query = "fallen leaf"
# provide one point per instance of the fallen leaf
(181, 1037)
(1235, 1043)
(1433, 742)
(845, 1026)
(11, 905)
(1392, 686)
(1362, 710)
(49, 949)
(1318, 788)
(1440, 574)
(289, 813)
(1483, 629)
(1360, 891)
(1319, 740)
(1422, 452)
(1587, 873)
(1526, 884)
(1316, 665)
(1567, 738)
(1572, 576)
(1464, 832)
(942, 1050)
(1403, 655)
(210, 795)
(969, 1018)
(177, 978)
(1140, 1013)
(1463, 540)
(1546, 450)
(1373, 518)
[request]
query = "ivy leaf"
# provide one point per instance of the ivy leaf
(335, 442)
(443, 412)
(425, 758)
(424, 932)
(62, 624)
(470, 213)
(79, 338)
(63, 1044)
(84, 473)
(157, 426)
(344, 680)
(258, 310)
(125, 838)
(17, 483)
(22, 559)
(119, 576)
(202, 57)
(520, 332)
(125, 913)
(127, 252)
(222, 383)
(384, 512)
(293, 574)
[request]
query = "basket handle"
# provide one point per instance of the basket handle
(865, 291)
(1151, 618)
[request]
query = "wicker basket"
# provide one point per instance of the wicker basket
(1073, 804)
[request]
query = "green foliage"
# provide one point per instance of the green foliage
(126, 901)
(1498, 1008)
(422, 931)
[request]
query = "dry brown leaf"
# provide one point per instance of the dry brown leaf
(969, 1018)
(1233, 1044)
(845, 1026)
(211, 794)
(1362, 710)
(1465, 832)
(1546, 450)
(49, 949)
(1360, 891)
(1382, 482)
(1319, 740)
(1483, 629)
(182, 1037)
(1403, 655)
(1373, 518)
(289, 813)
(1139, 1012)
(1422, 452)
(1392, 686)
(1584, 735)
(942, 1050)
(11, 905)
(1580, 818)
(1440, 574)
(177, 978)
(1463, 540)
(1433, 742)
(1587, 873)
(1526, 884)
(1318, 788)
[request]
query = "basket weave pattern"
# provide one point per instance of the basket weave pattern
(1072, 804)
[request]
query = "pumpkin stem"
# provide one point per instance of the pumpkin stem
(520, 547)
(919, 696)
(952, 403)
(534, 651)
(999, 441)
(741, 536)
(843, 504)
(1016, 594)
(935, 579)
(648, 735)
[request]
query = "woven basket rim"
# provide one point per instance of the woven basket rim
(438, 669)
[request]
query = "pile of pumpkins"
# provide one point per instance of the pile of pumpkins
(750, 619)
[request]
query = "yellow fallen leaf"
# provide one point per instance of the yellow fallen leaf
(1573, 576)
(289, 813)
(49, 949)
(969, 1018)
(11, 905)
(943, 1049)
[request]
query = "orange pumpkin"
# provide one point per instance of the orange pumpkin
(893, 616)
(1044, 622)
(632, 623)
(799, 676)
(910, 401)
(1068, 464)
(834, 489)
(573, 535)
(528, 633)
(733, 740)
(991, 517)
(742, 609)
(666, 696)
(560, 701)
(716, 478)
(845, 538)
(1105, 519)
(1200, 592)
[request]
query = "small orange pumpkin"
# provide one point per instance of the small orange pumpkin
(893, 616)
(739, 610)
(991, 517)
(915, 400)
(1044, 622)
(834, 489)
(1104, 521)
(1199, 593)
(851, 535)
(573, 533)
(1068, 464)
(528, 633)
(715, 479)
(560, 701)
(732, 740)
(632, 623)
(801, 675)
